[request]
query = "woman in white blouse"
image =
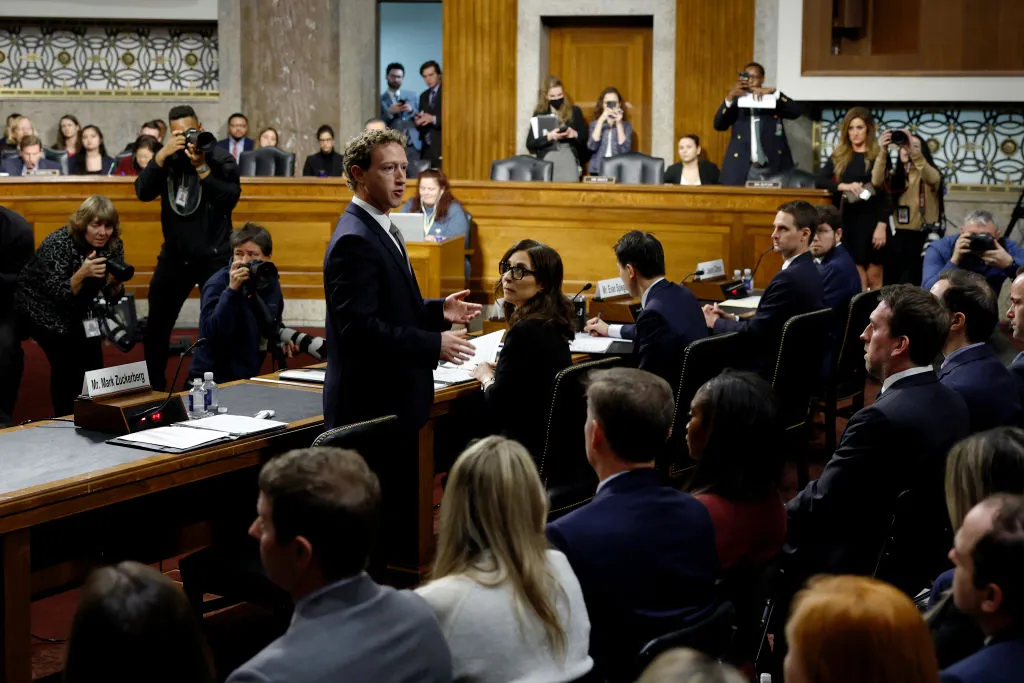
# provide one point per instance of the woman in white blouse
(511, 609)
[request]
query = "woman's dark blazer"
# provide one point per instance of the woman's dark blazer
(708, 173)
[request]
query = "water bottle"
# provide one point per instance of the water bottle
(748, 279)
(736, 274)
(195, 400)
(210, 401)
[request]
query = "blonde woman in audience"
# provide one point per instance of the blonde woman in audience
(852, 629)
(268, 138)
(683, 665)
(17, 128)
(510, 608)
(67, 135)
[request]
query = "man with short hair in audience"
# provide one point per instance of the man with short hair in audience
(147, 128)
(397, 106)
(237, 140)
(30, 158)
(795, 289)
(428, 118)
(988, 586)
(317, 518)
(837, 523)
(979, 248)
(644, 553)
(970, 366)
(374, 124)
(1015, 314)
(839, 277)
(670, 317)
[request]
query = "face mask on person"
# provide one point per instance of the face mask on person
(556, 104)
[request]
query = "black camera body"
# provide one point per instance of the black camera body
(200, 140)
(262, 275)
(982, 242)
(122, 272)
(898, 137)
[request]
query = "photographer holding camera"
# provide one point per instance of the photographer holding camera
(241, 311)
(56, 289)
(980, 248)
(198, 186)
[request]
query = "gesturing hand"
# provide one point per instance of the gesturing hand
(455, 349)
(458, 311)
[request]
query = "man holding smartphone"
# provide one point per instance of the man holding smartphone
(758, 148)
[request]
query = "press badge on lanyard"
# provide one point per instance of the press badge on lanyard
(181, 197)
(92, 327)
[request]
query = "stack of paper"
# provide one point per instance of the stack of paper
(585, 343)
(747, 302)
(185, 436)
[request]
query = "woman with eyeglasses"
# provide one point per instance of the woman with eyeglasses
(540, 318)
(326, 163)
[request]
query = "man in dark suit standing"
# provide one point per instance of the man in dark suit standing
(758, 147)
(428, 118)
(971, 366)
(1015, 314)
(385, 338)
(839, 277)
(237, 140)
(17, 245)
(838, 523)
(644, 553)
(795, 289)
(670, 317)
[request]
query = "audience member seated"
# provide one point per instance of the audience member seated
(796, 288)
(238, 140)
(683, 665)
(56, 290)
(839, 277)
(540, 318)
(735, 437)
(93, 158)
(1015, 315)
(241, 313)
(610, 133)
(971, 367)
(161, 129)
(510, 608)
(133, 619)
(692, 168)
(17, 244)
(850, 629)
(7, 139)
(268, 138)
(67, 135)
(980, 248)
(670, 317)
(152, 128)
(896, 444)
(977, 467)
(30, 158)
(644, 553)
(988, 586)
(443, 215)
(318, 513)
(326, 163)
(18, 127)
(397, 106)
(374, 124)
(765, 150)
(565, 147)
(143, 151)
(847, 175)
(428, 118)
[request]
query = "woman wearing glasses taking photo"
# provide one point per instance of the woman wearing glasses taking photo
(518, 388)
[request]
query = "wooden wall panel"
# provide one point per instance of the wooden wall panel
(714, 40)
(479, 62)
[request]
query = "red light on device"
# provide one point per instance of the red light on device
(156, 416)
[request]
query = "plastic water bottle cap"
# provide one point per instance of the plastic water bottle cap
(208, 376)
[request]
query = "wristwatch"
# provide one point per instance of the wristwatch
(203, 169)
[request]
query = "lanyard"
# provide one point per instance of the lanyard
(429, 218)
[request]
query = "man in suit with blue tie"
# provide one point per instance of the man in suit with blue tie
(988, 586)
(971, 366)
(795, 289)
(30, 158)
(428, 118)
(644, 553)
(237, 140)
(670, 316)
(1015, 314)
(839, 277)
(758, 147)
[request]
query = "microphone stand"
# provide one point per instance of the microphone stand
(758, 264)
(696, 273)
(170, 393)
(585, 288)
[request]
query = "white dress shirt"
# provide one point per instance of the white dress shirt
(753, 133)
(909, 372)
(616, 330)
(382, 220)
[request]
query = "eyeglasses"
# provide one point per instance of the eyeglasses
(518, 272)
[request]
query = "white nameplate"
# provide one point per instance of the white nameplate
(116, 380)
(611, 288)
(712, 269)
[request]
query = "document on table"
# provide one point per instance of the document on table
(234, 425)
(585, 343)
(315, 375)
(487, 347)
(173, 439)
(747, 302)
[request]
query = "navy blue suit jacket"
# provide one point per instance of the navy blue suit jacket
(986, 386)
(736, 162)
(840, 279)
(1001, 661)
(15, 166)
(839, 521)
(248, 144)
(671, 319)
(645, 558)
(385, 337)
(1017, 372)
(795, 290)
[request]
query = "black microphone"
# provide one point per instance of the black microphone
(696, 272)
(758, 264)
(587, 287)
(170, 393)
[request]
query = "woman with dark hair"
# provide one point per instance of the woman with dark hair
(733, 435)
(693, 168)
(443, 216)
(268, 138)
(540, 318)
(67, 135)
(143, 151)
(566, 146)
(610, 132)
(326, 163)
(134, 624)
(55, 290)
(92, 158)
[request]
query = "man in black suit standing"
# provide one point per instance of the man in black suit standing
(758, 147)
(899, 443)
(428, 118)
(795, 289)
(17, 244)
(385, 337)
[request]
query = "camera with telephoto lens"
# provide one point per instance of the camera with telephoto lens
(982, 242)
(898, 137)
(121, 271)
(200, 140)
(262, 275)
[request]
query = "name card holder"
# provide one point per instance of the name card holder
(599, 180)
(113, 398)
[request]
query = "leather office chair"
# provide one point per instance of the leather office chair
(60, 156)
(568, 478)
(121, 156)
(522, 168)
(794, 178)
(635, 168)
(268, 161)
(417, 166)
(8, 154)
(701, 360)
(712, 635)
(917, 541)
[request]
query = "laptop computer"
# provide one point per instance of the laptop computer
(409, 224)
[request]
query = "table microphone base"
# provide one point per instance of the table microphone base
(120, 414)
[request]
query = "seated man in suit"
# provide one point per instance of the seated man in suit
(971, 367)
(30, 158)
(1015, 314)
(671, 317)
(988, 585)
(237, 140)
(317, 520)
(839, 277)
(837, 523)
(980, 247)
(795, 289)
(644, 553)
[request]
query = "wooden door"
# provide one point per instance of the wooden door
(590, 58)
